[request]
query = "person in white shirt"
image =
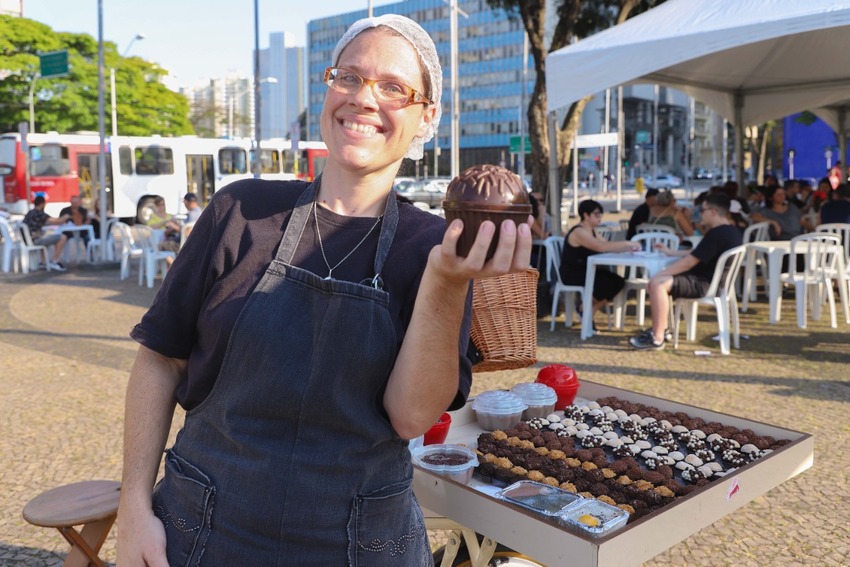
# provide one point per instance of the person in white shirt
(193, 209)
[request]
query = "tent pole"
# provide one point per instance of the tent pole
(739, 145)
(842, 141)
(554, 181)
(574, 208)
(620, 147)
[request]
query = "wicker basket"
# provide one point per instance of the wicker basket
(504, 321)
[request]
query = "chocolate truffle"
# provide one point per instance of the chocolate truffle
(485, 192)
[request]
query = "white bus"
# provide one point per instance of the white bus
(140, 168)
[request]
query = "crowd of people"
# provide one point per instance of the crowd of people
(75, 213)
(718, 219)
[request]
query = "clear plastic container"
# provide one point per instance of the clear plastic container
(539, 497)
(498, 409)
(594, 518)
(539, 398)
(454, 461)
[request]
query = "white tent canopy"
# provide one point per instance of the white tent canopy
(750, 60)
(777, 57)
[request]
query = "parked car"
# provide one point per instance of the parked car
(702, 173)
(430, 191)
(665, 181)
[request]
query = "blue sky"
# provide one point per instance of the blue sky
(193, 39)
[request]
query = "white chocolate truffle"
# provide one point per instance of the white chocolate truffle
(694, 460)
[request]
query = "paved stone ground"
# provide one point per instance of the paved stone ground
(65, 356)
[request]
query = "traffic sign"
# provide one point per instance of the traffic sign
(515, 144)
(54, 64)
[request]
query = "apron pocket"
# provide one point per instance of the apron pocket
(183, 500)
(387, 529)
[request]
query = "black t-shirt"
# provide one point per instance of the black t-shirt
(715, 242)
(835, 211)
(234, 241)
(639, 216)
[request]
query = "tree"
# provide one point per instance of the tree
(758, 138)
(70, 103)
(575, 19)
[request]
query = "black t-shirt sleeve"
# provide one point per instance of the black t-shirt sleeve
(715, 242)
(170, 325)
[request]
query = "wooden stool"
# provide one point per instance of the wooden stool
(92, 504)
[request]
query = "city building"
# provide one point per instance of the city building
(490, 64)
(490, 79)
(223, 107)
(12, 8)
(282, 86)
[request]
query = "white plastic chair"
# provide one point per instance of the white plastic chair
(11, 245)
(649, 227)
(842, 230)
(720, 294)
(130, 249)
(610, 233)
(637, 279)
(27, 248)
(554, 249)
(93, 246)
(152, 257)
(185, 229)
(755, 261)
(820, 251)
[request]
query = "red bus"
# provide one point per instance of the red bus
(60, 166)
(140, 168)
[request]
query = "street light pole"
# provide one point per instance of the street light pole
(101, 120)
(32, 102)
(257, 103)
(455, 149)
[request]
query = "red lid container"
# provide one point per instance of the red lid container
(563, 380)
(439, 431)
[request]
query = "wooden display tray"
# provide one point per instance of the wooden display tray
(639, 541)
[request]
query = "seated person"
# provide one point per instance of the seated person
(739, 218)
(695, 215)
(35, 220)
(783, 217)
(641, 213)
(690, 275)
(580, 243)
(837, 210)
(78, 215)
(755, 199)
(193, 209)
(665, 212)
(160, 219)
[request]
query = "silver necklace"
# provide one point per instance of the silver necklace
(322, 248)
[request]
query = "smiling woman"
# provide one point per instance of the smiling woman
(310, 331)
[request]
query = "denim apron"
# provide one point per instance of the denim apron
(291, 459)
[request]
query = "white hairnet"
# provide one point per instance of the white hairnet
(424, 46)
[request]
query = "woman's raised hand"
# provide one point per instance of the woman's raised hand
(513, 253)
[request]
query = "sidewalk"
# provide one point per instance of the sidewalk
(66, 356)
